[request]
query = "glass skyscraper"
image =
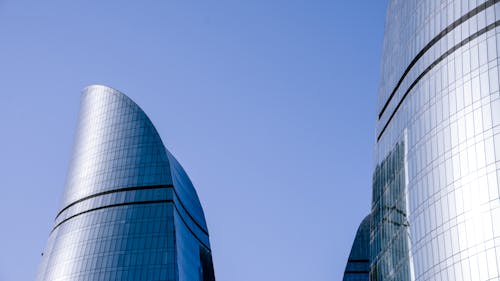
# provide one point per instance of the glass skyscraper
(129, 211)
(358, 264)
(436, 204)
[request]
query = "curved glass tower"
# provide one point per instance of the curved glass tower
(358, 264)
(436, 205)
(129, 211)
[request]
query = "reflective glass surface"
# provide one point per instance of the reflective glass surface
(129, 211)
(436, 208)
(358, 264)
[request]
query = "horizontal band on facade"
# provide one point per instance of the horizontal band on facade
(358, 260)
(125, 189)
(191, 231)
(114, 191)
(356, 272)
(111, 206)
(431, 43)
(432, 65)
(135, 203)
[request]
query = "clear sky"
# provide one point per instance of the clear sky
(268, 104)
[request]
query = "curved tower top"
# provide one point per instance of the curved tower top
(117, 146)
(358, 264)
(129, 210)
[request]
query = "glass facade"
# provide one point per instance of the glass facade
(358, 264)
(436, 204)
(129, 212)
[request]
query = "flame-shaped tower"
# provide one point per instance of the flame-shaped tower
(129, 212)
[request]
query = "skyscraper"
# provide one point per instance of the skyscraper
(129, 211)
(436, 204)
(358, 264)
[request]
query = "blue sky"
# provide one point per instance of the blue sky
(268, 105)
